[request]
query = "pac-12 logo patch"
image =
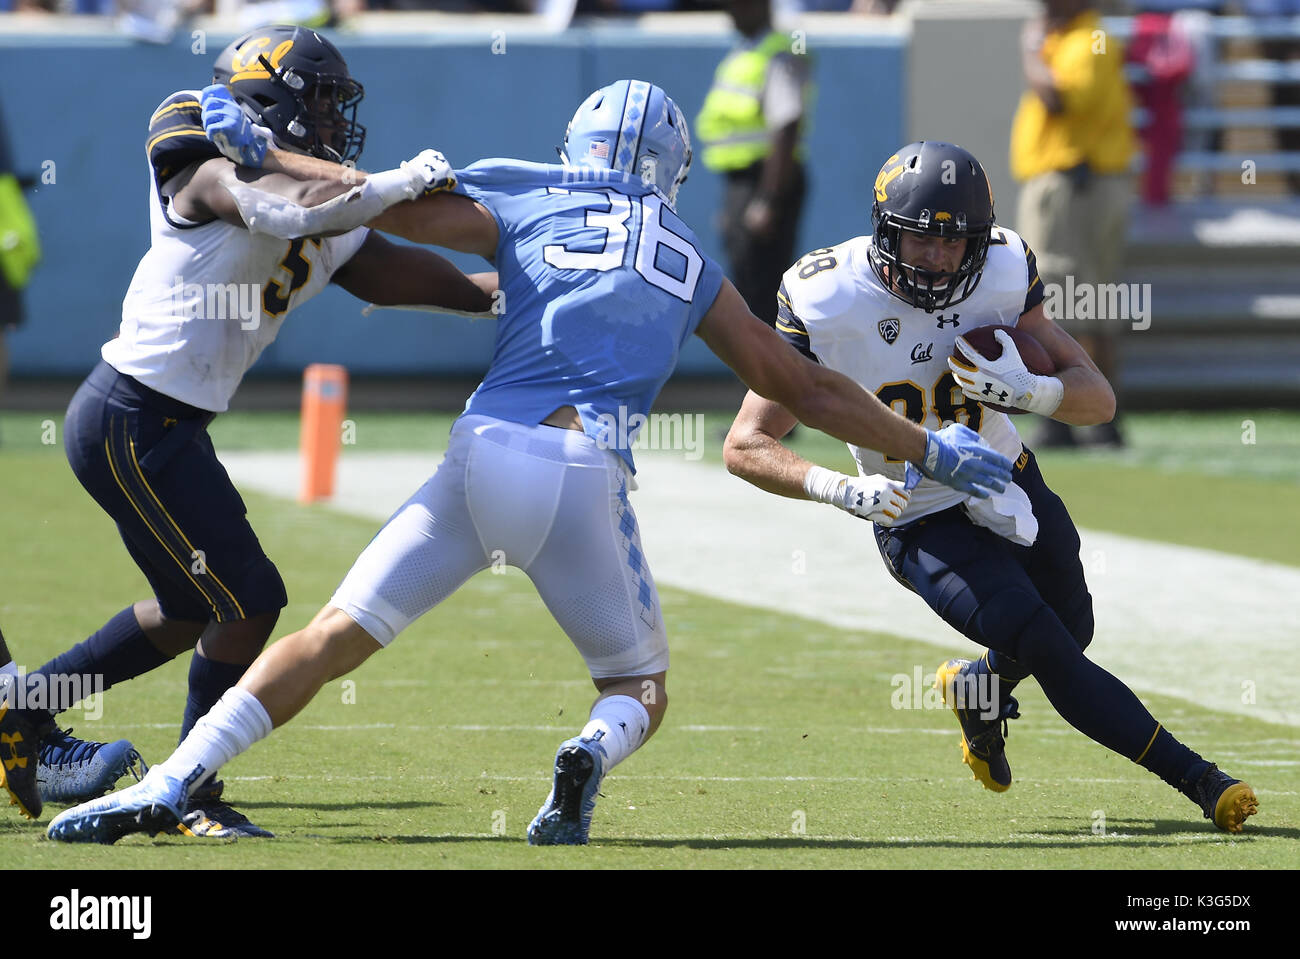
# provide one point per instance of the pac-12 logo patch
(889, 329)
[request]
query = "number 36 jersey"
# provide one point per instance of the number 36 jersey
(208, 297)
(833, 308)
(602, 285)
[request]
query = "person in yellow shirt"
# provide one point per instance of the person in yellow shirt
(1072, 145)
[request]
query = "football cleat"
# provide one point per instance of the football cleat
(565, 817)
(210, 817)
(1226, 800)
(70, 770)
(151, 806)
(982, 740)
(19, 739)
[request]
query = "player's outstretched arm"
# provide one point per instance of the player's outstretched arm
(205, 191)
(443, 219)
(392, 274)
(833, 403)
(754, 452)
(286, 197)
(816, 396)
(753, 449)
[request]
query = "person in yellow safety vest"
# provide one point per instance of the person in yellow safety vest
(20, 249)
(750, 128)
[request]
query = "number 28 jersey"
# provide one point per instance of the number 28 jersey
(602, 285)
(833, 308)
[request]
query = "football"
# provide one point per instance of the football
(1037, 360)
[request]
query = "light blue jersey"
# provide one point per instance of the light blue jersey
(603, 283)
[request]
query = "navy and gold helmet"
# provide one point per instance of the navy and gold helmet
(295, 83)
(935, 189)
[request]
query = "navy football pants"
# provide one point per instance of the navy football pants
(1030, 604)
(148, 461)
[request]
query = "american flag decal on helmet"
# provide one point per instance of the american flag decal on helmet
(600, 150)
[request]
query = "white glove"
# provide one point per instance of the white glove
(269, 213)
(426, 172)
(1005, 381)
(876, 497)
(429, 172)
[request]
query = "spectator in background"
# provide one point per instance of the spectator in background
(1167, 57)
(749, 130)
(20, 249)
(1072, 145)
(1282, 49)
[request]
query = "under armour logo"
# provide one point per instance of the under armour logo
(989, 391)
(942, 320)
(14, 761)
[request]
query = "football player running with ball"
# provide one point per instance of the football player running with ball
(235, 248)
(887, 310)
(603, 285)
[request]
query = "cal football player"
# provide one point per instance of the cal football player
(887, 310)
(603, 284)
(235, 249)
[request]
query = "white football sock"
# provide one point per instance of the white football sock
(236, 722)
(623, 723)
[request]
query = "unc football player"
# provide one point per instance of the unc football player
(235, 248)
(603, 283)
(887, 309)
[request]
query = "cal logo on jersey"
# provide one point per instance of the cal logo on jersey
(247, 64)
(889, 329)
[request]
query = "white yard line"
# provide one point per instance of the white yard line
(1214, 629)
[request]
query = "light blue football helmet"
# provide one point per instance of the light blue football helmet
(634, 127)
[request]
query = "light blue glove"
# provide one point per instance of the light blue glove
(957, 457)
(232, 132)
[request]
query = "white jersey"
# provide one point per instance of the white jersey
(209, 297)
(833, 307)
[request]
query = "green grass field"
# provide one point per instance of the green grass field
(781, 749)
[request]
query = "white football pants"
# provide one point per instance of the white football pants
(546, 500)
